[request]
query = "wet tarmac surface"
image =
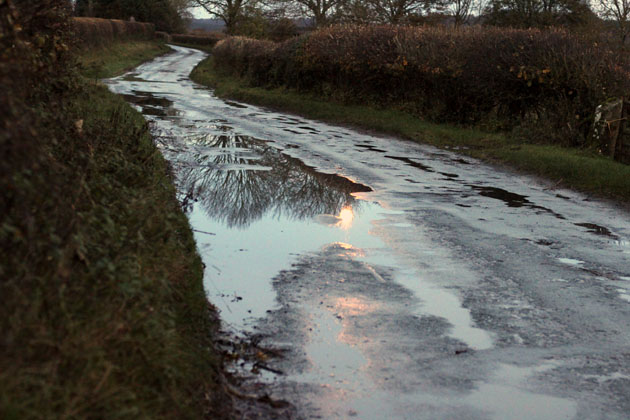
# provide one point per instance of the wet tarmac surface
(398, 281)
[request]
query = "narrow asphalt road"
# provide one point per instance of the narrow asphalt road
(400, 281)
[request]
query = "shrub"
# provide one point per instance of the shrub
(506, 78)
(208, 39)
(163, 36)
(99, 32)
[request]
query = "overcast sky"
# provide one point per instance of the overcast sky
(199, 13)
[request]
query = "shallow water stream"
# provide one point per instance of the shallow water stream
(401, 281)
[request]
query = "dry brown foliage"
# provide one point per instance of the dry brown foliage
(205, 38)
(501, 78)
(98, 32)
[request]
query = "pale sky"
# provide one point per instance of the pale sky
(200, 13)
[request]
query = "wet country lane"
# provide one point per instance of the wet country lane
(400, 281)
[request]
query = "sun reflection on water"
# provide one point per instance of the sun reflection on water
(353, 306)
(348, 307)
(346, 216)
(346, 250)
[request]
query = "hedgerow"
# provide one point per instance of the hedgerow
(208, 39)
(547, 82)
(99, 32)
(103, 311)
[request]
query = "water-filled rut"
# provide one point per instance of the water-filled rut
(399, 281)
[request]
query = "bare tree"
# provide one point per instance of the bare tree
(230, 11)
(539, 13)
(461, 11)
(321, 11)
(480, 7)
(182, 7)
(619, 11)
(395, 11)
(357, 11)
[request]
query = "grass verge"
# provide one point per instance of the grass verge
(119, 57)
(104, 313)
(582, 170)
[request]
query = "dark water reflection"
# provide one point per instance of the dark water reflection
(151, 104)
(239, 179)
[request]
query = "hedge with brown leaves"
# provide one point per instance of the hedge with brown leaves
(208, 39)
(98, 32)
(545, 80)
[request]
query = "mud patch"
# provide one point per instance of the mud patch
(133, 77)
(370, 148)
(597, 230)
(511, 199)
(147, 99)
(411, 163)
(449, 175)
(288, 130)
(235, 104)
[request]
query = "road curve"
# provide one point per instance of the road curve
(400, 281)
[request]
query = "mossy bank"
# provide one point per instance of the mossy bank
(581, 169)
(104, 313)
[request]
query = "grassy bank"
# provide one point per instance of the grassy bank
(104, 313)
(118, 57)
(583, 170)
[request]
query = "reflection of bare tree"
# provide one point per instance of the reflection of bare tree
(238, 179)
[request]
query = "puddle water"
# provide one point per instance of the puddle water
(623, 294)
(510, 402)
(571, 261)
(239, 180)
(263, 208)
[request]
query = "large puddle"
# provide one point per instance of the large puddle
(254, 209)
(286, 232)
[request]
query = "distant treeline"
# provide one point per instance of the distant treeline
(545, 84)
